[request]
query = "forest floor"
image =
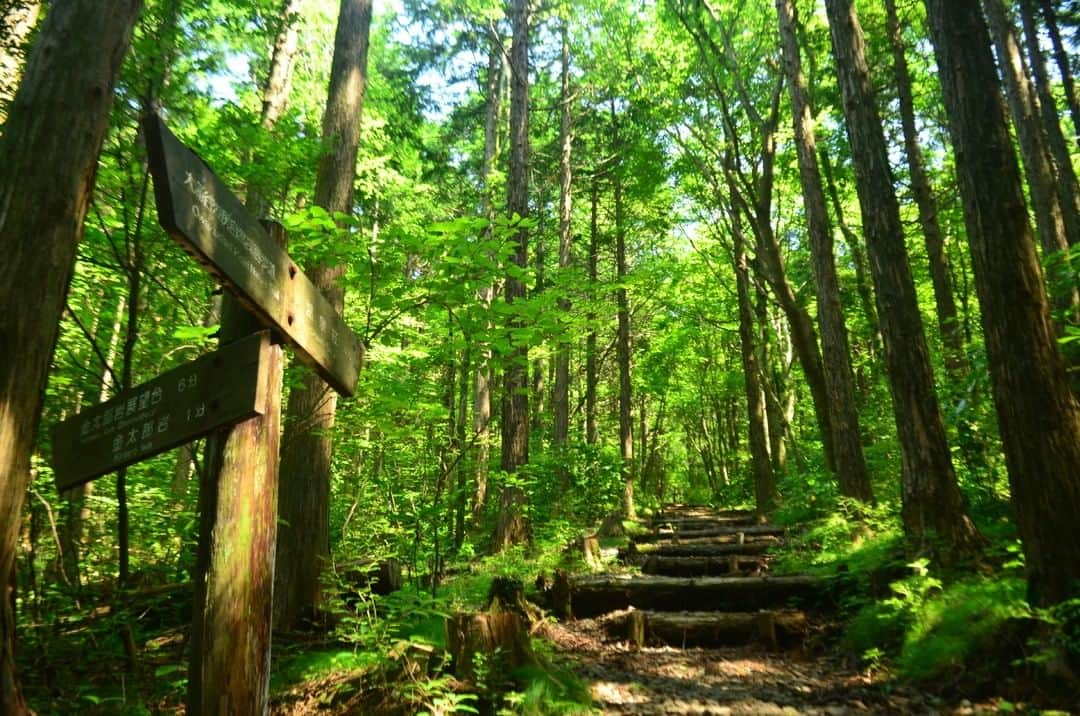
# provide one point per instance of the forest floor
(733, 680)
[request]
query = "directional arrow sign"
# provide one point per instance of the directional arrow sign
(211, 224)
(217, 389)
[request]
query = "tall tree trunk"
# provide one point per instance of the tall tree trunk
(854, 245)
(591, 368)
(952, 336)
(1024, 104)
(932, 503)
(1067, 185)
(482, 388)
(515, 402)
(304, 505)
(276, 88)
(761, 467)
(18, 21)
(1061, 57)
(48, 159)
(626, 430)
(774, 417)
(853, 478)
(561, 398)
(1038, 414)
(770, 265)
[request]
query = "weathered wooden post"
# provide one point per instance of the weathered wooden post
(234, 575)
(237, 385)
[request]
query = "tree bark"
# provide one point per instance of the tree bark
(277, 87)
(306, 456)
(952, 337)
(48, 160)
(622, 340)
(591, 367)
(1061, 57)
(482, 389)
(1024, 103)
(932, 504)
(761, 466)
(18, 22)
(1038, 414)
(561, 399)
(515, 401)
(1067, 185)
(853, 478)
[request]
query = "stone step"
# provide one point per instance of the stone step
(590, 595)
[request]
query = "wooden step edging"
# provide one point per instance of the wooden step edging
(594, 595)
(771, 629)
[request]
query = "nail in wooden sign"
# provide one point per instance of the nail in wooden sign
(215, 390)
(211, 223)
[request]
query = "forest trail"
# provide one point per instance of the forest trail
(707, 628)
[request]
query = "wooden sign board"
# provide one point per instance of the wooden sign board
(211, 223)
(217, 389)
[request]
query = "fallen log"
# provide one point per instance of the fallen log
(771, 629)
(594, 595)
(746, 531)
(732, 564)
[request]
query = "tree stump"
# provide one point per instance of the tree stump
(588, 548)
(499, 635)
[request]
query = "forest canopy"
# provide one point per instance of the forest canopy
(814, 260)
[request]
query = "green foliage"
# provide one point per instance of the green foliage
(951, 629)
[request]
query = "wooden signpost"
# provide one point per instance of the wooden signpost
(208, 221)
(237, 387)
(213, 391)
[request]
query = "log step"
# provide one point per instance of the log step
(736, 539)
(732, 564)
(772, 629)
(707, 548)
(699, 511)
(593, 595)
(720, 531)
(688, 524)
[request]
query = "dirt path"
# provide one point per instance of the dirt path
(734, 680)
(635, 672)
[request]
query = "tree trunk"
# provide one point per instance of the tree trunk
(482, 388)
(591, 368)
(931, 499)
(1024, 104)
(764, 479)
(853, 478)
(561, 398)
(952, 336)
(1067, 185)
(622, 342)
(515, 402)
(858, 259)
(1038, 414)
(1061, 57)
(16, 25)
(48, 160)
(277, 87)
(304, 506)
